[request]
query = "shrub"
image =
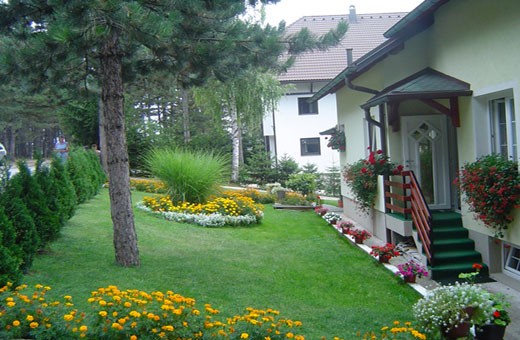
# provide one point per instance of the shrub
(255, 195)
(10, 253)
(25, 187)
(27, 239)
(65, 192)
(188, 176)
(303, 183)
(491, 188)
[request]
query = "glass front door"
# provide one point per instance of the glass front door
(425, 141)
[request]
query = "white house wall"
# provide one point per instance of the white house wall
(291, 127)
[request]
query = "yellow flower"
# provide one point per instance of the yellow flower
(68, 317)
(244, 336)
(133, 337)
(83, 328)
(16, 323)
(29, 317)
(11, 304)
(103, 313)
(34, 324)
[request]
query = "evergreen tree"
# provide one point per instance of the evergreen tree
(25, 187)
(65, 193)
(10, 252)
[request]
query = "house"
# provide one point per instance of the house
(440, 92)
(294, 128)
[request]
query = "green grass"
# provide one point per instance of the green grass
(293, 262)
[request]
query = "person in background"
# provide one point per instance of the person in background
(62, 148)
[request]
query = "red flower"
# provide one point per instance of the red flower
(364, 170)
(496, 314)
(477, 266)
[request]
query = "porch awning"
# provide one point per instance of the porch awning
(427, 84)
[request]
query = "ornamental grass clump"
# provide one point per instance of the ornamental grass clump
(491, 188)
(188, 176)
(361, 177)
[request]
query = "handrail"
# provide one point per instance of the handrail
(413, 202)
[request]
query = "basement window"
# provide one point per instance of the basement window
(512, 263)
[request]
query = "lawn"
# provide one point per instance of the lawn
(293, 262)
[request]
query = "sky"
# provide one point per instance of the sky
(291, 10)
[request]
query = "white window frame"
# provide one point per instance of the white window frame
(512, 255)
(303, 148)
(504, 140)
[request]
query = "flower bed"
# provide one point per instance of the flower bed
(132, 314)
(233, 210)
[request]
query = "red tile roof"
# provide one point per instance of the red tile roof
(362, 36)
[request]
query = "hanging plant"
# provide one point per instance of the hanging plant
(491, 188)
(361, 177)
(337, 140)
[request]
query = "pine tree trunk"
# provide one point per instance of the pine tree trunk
(125, 238)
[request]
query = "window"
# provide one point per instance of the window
(503, 127)
(512, 263)
(310, 146)
(306, 108)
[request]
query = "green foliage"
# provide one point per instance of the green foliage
(286, 167)
(303, 183)
(66, 199)
(85, 173)
(10, 253)
(27, 239)
(491, 187)
(310, 168)
(79, 118)
(25, 187)
(330, 181)
(189, 176)
(258, 167)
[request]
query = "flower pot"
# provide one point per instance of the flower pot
(490, 332)
(358, 240)
(383, 259)
(456, 331)
(410, 278)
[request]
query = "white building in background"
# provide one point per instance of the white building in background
(294, 128)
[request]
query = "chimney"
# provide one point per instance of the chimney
(349, 57)
(352, 17)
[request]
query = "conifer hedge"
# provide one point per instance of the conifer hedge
(35, 205)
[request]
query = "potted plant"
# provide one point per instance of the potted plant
(491, 188)
(345, 226)
(410, 270)
(491, 323)
(447, 311)
(331, 217)
(384, 253)
(361, 177)
(359, 235)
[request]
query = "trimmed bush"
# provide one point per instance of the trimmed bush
(188, 176)
(10, 253)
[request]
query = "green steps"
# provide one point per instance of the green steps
(453, 251)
